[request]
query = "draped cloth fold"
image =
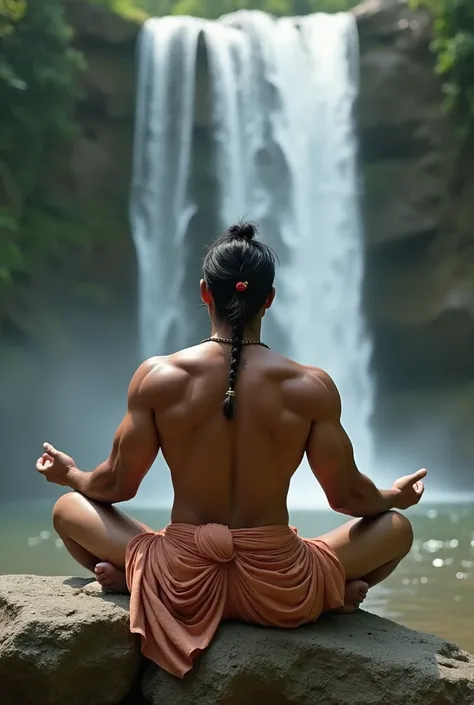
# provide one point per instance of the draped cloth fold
(185, 579)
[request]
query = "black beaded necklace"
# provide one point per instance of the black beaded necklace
(228, 341)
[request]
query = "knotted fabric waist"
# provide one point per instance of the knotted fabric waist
(214, 542)
(184, 580)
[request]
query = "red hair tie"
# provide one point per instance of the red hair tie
(241, 286)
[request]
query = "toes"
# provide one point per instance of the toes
(103, 569)
(102, 565)
(102, 573)
(106, 583)
(110, 578)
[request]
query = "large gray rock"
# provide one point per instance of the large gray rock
(62, 642)
(356, 660)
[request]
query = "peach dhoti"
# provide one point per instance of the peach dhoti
(186, 579)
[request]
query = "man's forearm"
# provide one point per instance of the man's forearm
(99, 485)
(366, 500)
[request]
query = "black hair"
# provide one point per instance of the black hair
(237, 258)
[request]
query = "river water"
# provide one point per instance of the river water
(432, 590)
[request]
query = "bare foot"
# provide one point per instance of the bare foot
(110, 578)
(356, 592)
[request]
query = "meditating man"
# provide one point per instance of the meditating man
(233, 420)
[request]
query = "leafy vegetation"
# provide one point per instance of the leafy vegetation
(37, 91)
(215, 8)
(454, 47)
(129, 9)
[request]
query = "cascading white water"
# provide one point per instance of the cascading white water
(283, 151)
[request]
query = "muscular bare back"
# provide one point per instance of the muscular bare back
(233, 423)
(235, 473)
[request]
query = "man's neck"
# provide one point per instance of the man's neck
(223, 330)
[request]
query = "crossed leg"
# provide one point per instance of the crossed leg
(96, 535)
(369, 550)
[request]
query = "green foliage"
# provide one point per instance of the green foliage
(454, 47)
(215, 8)
(129, 9)
(37, 92)
(212, 9)
(10, 12)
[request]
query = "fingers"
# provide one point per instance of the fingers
(420, 474)
(412, 479)
(43, 463)
(51, 450)
(419, 488)
(45, 460)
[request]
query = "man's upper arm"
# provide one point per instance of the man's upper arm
(329, 450)
(136, 443)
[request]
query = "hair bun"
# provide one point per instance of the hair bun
(243, 231)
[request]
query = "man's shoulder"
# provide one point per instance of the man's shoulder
(316, 392)
(161, 374)
(314, 377)
(325, 393)
(321, 379)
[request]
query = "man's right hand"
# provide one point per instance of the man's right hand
(410, 489)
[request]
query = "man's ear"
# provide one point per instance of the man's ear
(206, 295)
(270, 298)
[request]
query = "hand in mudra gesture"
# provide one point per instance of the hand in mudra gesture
(54, 465)
(410, 489)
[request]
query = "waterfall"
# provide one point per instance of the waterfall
(275, 115)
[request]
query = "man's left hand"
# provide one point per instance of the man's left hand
(55, 466)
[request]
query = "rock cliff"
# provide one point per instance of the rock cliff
(63, 642)
(419, 186)
(419, 206)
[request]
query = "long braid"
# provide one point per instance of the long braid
(235, 353)
(237, 288)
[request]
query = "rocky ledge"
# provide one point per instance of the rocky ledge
(63, 642)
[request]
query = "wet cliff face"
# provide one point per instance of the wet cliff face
(419, 209)
(418, 205)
